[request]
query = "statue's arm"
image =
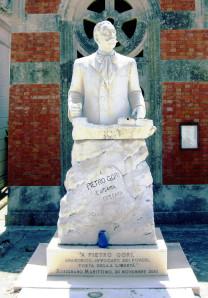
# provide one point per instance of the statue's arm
(75, 95)
(136, 98)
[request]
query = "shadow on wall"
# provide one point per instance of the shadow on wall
(181, 203)
(34, 205)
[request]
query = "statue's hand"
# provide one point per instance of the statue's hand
(138, 113)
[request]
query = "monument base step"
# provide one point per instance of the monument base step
(116, 260)
(179, 276)
(98, 293)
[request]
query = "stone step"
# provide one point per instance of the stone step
(180, 276)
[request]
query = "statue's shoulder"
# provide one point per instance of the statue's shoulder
(84, 60)
(124, 60)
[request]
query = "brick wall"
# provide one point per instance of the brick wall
(34, 135)
(184, 44)
(185, 102)
(42, 6)
(35, 47)
(34, 115)
(173, 5)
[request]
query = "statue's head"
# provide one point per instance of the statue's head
(105, 36)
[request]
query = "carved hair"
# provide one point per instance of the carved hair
(99, 28)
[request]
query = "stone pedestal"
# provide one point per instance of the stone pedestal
(114, 261)
(109, 186)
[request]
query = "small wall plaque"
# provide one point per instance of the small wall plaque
(189, 136)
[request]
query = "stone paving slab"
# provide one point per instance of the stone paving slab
(95, 293)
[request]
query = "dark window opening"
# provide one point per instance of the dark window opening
(97, 6)
(129, 27)
(121, 5)
(118, 44)
(141, 54)
(79, 55)
(110, 20)
(88, 28)
(142, 92)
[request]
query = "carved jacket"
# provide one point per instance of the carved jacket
(102, 103)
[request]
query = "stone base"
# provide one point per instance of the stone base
(34, 279)
(114, 261)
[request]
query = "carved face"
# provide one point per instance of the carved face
(106, 38)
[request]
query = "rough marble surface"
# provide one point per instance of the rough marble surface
(109, 187)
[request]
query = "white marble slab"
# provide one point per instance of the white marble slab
(114, 261)
(82, 130)
(180, 275)
(98, 293)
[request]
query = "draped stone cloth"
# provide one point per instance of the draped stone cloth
(105, 87)
(105, 65)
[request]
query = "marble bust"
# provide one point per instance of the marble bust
(105, 85)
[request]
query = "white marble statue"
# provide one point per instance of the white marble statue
(109, 187)
(105, 85)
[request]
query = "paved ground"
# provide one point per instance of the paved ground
(17, 244)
